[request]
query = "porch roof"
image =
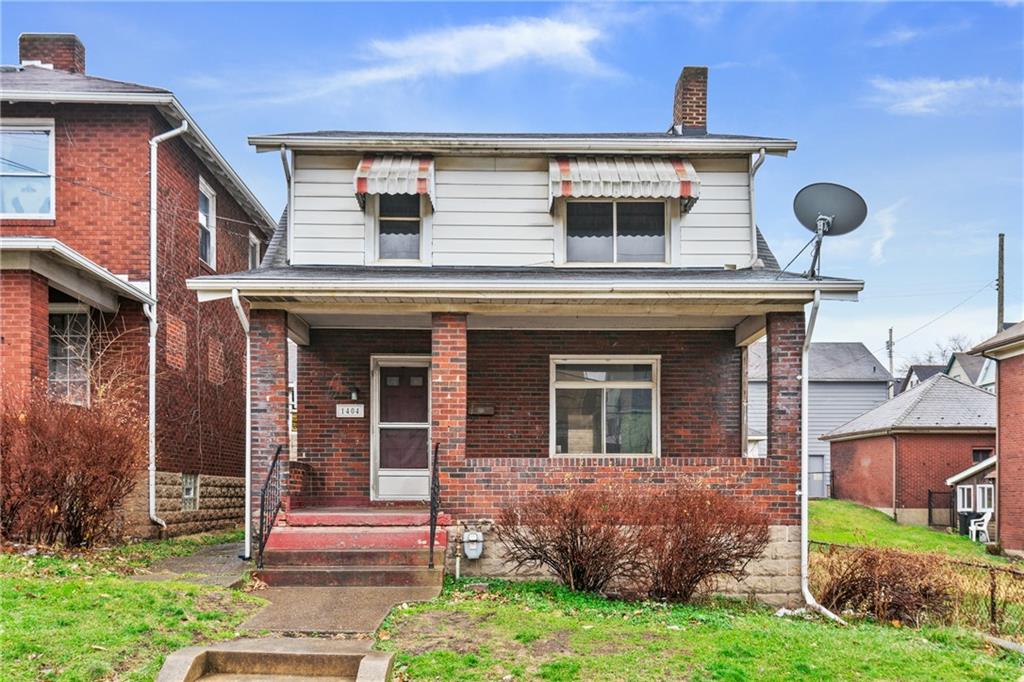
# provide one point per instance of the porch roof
(302, 282)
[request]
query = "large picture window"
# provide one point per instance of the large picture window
(69, 357)
(616, 231)
(604, 405)
(26, 169)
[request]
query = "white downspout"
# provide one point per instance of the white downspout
(754, 166)
(150, 312)
(248, 423)
(805, 371)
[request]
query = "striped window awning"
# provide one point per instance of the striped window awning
(388, 174)
(632, 177)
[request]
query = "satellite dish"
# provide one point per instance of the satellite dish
(828, 210)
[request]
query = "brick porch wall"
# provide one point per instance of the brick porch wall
(24, 331)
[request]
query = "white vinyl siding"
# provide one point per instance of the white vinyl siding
(832, 404)
(495, 211)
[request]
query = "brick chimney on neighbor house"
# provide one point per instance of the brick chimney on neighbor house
(63, 51)
(690, 107)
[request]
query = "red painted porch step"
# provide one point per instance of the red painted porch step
(361, 517)
(357, 537)
(338, 558)
(350, 576)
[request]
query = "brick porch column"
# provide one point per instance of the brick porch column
(269, 372)
(784, 347)
(24, 331)
(448, 385)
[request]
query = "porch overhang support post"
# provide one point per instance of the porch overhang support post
(448, 345)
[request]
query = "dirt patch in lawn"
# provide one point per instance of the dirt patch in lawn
(556, 643)
(462, 633)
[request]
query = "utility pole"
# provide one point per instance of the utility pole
(1000, 284)
(889, 345)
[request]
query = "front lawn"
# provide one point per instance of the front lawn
(542, 631)
(846, 523)
(80, 617)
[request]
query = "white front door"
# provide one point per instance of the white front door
(400, 441)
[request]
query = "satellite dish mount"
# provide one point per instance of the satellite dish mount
(827, 210)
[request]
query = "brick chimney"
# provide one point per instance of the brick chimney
(690, 107)
(63, 51)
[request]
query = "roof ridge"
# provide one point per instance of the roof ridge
(922, 389)
(963, 383)
(97, 78)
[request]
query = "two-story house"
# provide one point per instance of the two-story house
(110, 198)
(529, 312)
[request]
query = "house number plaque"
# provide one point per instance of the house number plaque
(349, 411)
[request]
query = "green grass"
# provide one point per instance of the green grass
(846, 523)
(80, 617)
(540, 631)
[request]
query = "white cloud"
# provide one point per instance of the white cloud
(885, 218)
(902, 35)
(561, 43)
(921, 96)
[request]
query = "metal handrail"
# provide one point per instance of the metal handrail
(435, 501)
(272, 489)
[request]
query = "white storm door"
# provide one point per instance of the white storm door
(400, 443)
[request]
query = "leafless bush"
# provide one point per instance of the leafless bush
(692, 536)
(66, 468)
(886, 584)
(585, 537)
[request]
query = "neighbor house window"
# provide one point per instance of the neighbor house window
(986, 498)
(26, 169)
(616, 231)
(254, 251)
(980, 454)
(69, 357)
(604, 405)
(189, 492)
(398, 227)
(207, 224)
(964, 498)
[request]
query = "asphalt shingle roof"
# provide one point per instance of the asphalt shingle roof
(971, 364)
(37, 78)
(830, 361)
(939, 403)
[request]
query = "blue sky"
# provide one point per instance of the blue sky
(916, 105)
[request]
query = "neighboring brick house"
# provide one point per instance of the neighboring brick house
(76, 275)
(543, 311)
(891, 456)
(1007, 349)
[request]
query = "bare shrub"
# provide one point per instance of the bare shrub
(66, 468)
(692, 536)
(586, 537)
(886, 584)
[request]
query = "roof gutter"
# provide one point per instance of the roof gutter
(893, 431)
(469, 144)
(166, 99)
(754, 166)
(805, 371)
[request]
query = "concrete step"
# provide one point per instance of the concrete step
(350, 576)
(344, 537)
(356, 517)
(273, 558)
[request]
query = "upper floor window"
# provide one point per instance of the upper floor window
(619, 231)
(399, 226)
(26, 168)
(69, 354)
(980, 454)
(207, 224)
(254, 251)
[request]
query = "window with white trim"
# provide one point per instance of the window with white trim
(965, 498)
(254, 251)
(207, 224)
(69, 353)
(399, 227)
(986, 497)
(189, 492)
(616, 231)
(604, 405)
(27, 168)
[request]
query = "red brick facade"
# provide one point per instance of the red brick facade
(24, 304)
(269, 390)
(504, 456)
(863, 467)
(1010, 395)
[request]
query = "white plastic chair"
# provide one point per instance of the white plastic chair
(979, 527)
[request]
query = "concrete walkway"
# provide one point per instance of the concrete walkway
(215, 565)
(332, 609)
